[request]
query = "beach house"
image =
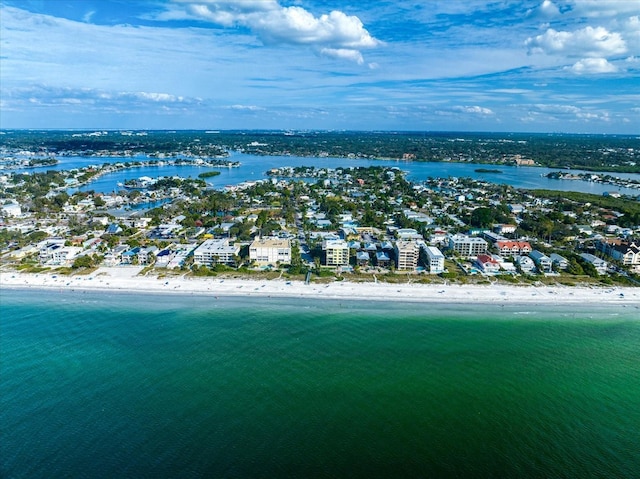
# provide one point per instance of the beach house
(559, 261)
(487, 264)
(600, 264)
(542, 261)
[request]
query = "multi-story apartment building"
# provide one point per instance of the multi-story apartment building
(213, 251)
(336, 252)
(265, 251)
(435, 259)
(467, 246)
(407, 254)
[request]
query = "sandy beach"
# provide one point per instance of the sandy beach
(126, 279)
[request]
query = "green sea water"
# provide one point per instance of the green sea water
(106, 385)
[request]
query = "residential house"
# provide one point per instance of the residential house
(559, 261)
(131, 256)
(383, 259)
(145, 255)
(164, 257)
(600, 264)
(439, 238)
(58, 254)
(362, 258)
(526, 264)
(487, 264)
(114, 257)
(542, 261)
(47, 247)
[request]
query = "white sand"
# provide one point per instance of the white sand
(126, 279)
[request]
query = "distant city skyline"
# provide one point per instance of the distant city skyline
(570, 66)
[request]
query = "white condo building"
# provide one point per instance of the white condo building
(266, 251)
(336, 251)
(468, 246)
(215, 251)
(407, 254)
(435, 259)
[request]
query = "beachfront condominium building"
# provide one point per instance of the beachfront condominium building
(435, 259)
(265, 251)
(336, 252)
(407, 254)
(467, 246)
(215, 251)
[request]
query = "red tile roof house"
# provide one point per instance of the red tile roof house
(508, 248)
(487, 264)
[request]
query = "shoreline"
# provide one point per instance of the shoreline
(118, 280)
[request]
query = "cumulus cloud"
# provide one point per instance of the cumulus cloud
(547, 9)
(334, 34)
(158, 97)
(592, 65)
(586, 42)
(478, 110)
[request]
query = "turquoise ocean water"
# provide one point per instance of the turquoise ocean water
(117, 385)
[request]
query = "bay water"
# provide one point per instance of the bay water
(128, 385)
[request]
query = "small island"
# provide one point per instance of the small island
(487, 170)
(208, 174)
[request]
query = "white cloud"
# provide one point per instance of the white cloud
(604, 8)
(515, 91)
(593, 65)
(344, 53)
(547, 9)
(587, 42)
(159, 97)
(245, 108)
(478, 110)
(336, 34)
(561, 112)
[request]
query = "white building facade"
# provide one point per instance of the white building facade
(266, 251)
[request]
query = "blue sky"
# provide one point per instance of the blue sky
(458, 65)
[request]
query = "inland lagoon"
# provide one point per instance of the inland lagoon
(103, 384)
